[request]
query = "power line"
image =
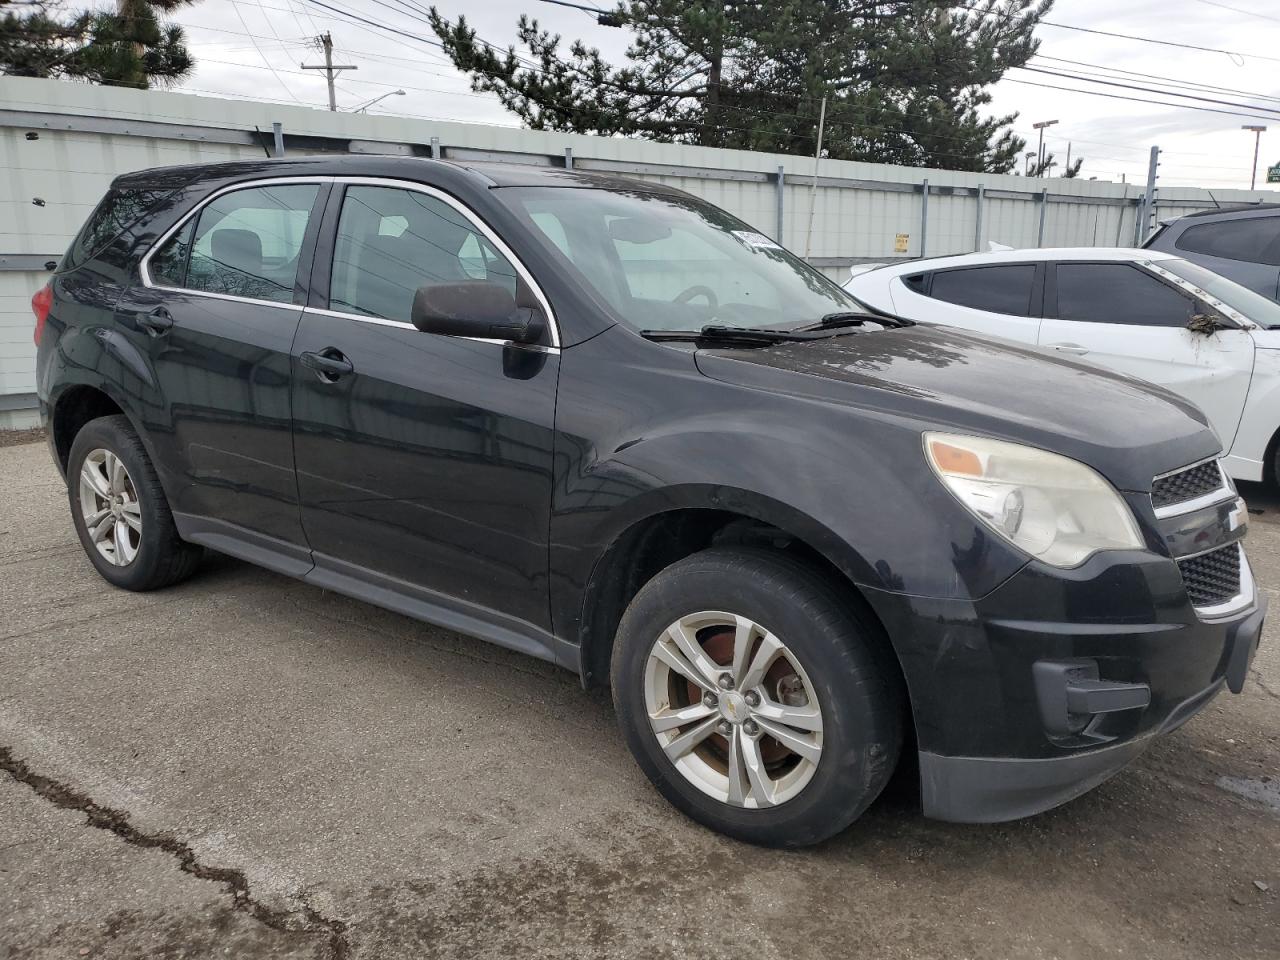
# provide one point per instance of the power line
(1121, 36)
(1117, 96)
(236, 7)
(1172, 81)
(1247, 13)
(1166, 93)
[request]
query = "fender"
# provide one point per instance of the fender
(1259, 424)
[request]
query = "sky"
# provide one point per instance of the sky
(254, 49)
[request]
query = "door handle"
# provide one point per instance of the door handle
(1072, 348)
(329, 364)
(157, 322)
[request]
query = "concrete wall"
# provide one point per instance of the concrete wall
(86, 135)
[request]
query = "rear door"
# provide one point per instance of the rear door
(424, 461)
(998, 299)
(1124, 318)
(1244, 248)
(212, 323)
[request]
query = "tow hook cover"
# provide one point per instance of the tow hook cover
(1070, 694)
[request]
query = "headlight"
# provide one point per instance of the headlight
(1054, 508)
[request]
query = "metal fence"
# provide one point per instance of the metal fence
(61, 144)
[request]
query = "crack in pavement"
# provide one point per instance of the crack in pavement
(1257, 678)
(308, 920)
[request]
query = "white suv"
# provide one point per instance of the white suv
(1141, 312)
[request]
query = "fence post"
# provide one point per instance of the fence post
(1044, 205)
(977, 227)
(780, 184)
(277, 134)
(568, 158)
(435, 148)
(924, 217)
(1148, 200)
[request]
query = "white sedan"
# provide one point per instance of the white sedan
(1141, 312)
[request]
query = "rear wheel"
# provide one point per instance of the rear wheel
(754, 699)
(120, 511)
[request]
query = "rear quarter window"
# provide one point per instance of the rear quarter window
(119, 210)
(1249, 239)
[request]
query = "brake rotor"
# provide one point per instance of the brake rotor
(780, 681)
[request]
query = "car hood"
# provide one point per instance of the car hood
(932, 377)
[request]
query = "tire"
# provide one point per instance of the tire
(843, 664)
(149, 555)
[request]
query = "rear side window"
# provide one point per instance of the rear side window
(168, 266)
(392, 241)
(242, 244)
(1119, 293)
(1252, 239)
(1002, 289)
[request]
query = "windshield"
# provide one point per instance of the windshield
(1255, 306)
(676, 263)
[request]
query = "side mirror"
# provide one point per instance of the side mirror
(475, 308)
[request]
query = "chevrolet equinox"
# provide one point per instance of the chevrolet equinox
(607, 424)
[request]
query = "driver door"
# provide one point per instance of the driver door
(424, 461)
(1124, 318)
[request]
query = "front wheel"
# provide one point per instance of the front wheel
(754, 699)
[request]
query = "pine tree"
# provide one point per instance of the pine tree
(130, 46)
(905, 80)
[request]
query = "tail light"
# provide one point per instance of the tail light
(40, 305)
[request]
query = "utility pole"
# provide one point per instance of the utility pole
(1067, 168)
(1257, 139)
(1040, 149)
(331, 70)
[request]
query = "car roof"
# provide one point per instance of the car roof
(1031, 255)
(482, 173)
(1228, 211)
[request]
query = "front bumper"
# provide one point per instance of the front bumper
(993, 789)
(1014, 716)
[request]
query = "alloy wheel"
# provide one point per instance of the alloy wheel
(110, 508)
(733, 709)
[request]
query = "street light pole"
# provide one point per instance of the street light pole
(364, 107)
(1257, 140)
(1040, 149)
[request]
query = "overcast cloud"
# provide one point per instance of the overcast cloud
(234, 40)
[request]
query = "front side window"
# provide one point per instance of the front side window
(1119, 293)
(1003, 289)
(392, 241)
(243, 244)
(672, 262)
(1251, 239)
(1261, 310)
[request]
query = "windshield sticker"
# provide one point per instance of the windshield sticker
(756, 241)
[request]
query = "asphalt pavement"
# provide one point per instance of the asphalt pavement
(245, 766)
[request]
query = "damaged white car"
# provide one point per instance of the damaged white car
(1142, 312)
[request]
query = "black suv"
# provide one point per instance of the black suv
(609, 425)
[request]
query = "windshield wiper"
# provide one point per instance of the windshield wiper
(831, 325)
(745, 335)
(855, 318)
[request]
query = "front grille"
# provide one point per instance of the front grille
(1186, 485)
(1212, 577)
